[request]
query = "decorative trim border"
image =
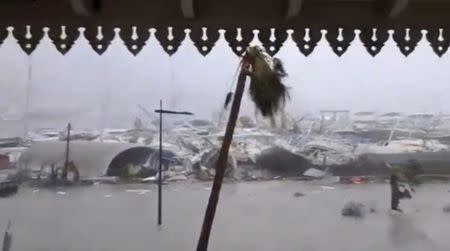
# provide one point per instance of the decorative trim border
(135, 37)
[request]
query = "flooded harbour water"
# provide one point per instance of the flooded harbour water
(251, 216)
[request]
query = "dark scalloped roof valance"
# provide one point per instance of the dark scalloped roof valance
(306, 22)
(204, 39)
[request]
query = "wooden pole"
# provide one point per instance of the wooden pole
(221, 165)
(28, 95)
(7, 238)
(66, 162)
(160, 166)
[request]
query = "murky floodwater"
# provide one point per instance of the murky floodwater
(251, 216)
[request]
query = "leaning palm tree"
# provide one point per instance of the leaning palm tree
(269, 95)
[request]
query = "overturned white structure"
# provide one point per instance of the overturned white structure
(91, 158)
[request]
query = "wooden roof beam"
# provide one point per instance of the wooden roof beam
(86, 7)
(187, 8)
(391, 8)
(398, 7)
(293, 8)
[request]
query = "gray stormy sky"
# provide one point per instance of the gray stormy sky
(98, 91)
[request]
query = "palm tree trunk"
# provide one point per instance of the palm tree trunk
(221, 165)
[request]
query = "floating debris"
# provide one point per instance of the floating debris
(61, 192)
(298, 194)
(372, 208)
(139, 191)
(104, 179)
(327, 188)
(328, 180)
(357, 180)
(150, 179)
(177, 178)
(446, 208)
(353, 209)
(314, 173)
(108, 196)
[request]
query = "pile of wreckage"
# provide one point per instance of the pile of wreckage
(332, 144)
(9, 176)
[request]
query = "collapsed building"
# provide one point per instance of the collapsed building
(257, 151)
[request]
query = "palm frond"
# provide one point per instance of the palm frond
(266, 86)
(279, 68)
